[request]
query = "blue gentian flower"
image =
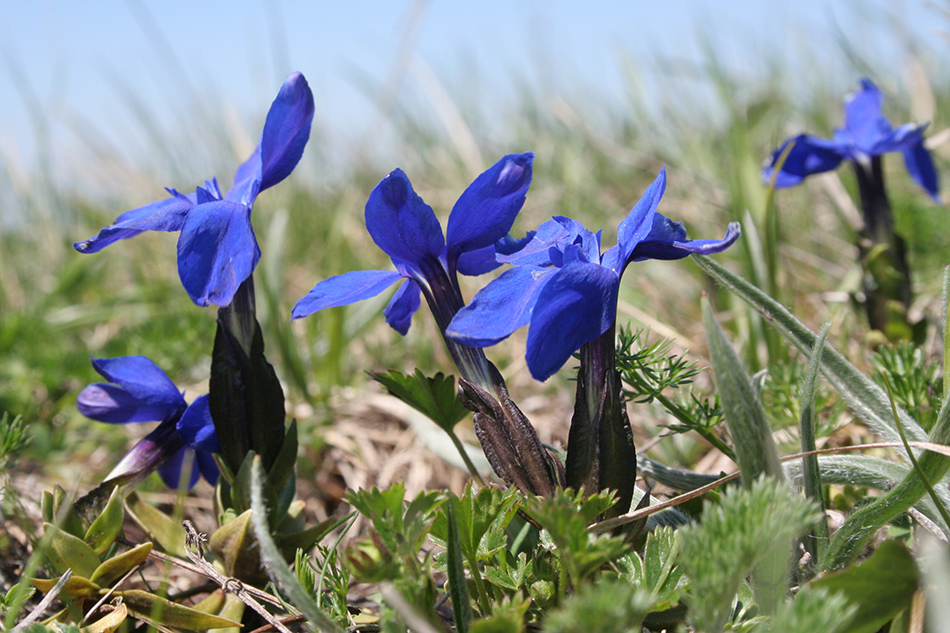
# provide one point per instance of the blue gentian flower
(138, 391)
(565, 288)
(866, 133)
(217, 249)
(407, 230)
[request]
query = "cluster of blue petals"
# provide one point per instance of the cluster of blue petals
(866, 133)
(562, 285)
(217, 249)
(406, 229)
(139, 391)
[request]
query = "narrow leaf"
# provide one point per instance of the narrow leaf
(458, 589)
(68, 552)
(161, 528)
(107, 525)
(144, 606)
(117, 566)
(810, 470)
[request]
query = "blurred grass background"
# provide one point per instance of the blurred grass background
(711, 128)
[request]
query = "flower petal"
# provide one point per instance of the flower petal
(247, 181)
(576, 306)
(500, 308)
(487, 208)
(207, 466)
(196, 427)
(172, 469)
(401, 223)
(636, 226)
(668, 240)
(286, 130)
(217, 251)
(142, 379)
(148, 454)
(403, 305)
(108, 403)
(864, 123)
(551, 236)
(920, 166)
(162, 215)
(810, 155)
(343, 290)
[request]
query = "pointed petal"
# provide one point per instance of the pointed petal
(207, 466)
(196, 427)
(163, 215)
(486, 210)
(142, 379)
(552, 235)
(107, 403)
(401, 223)
(920, 166)
(863, 121)
(810, 155)
(247, 181)
(217, 251)
(477, 262)
(636, 226)
(402, 306)
(343, 290)
(182, 461)
(286, 130)
(500, 308)
(668, 240)
(576, 306)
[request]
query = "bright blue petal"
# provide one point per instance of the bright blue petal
(108, 403)
(286, 130)
(500, 308)
(551, 237)
(247, 180)
(904, 137)
(207, 467)
(486, 210)
(668, 240)
(171, 470)
(864, 123)
(810, 155)
(343, 290)
(400, 223)
(217, 251)
(477, 262)
(576, 306)
(920, 165)
(636, 226)
(163, 215)
(142, 379)
(196, 427)
(402, 306)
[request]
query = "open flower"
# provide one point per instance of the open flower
(407, 230)
(217, 249)
(138, 391)
(565, 288)
(866, 133)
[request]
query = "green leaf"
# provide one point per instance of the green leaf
(751, 434)
(866, 398)
(117, 566)
(458, 589)
(283, 466)
(75, 587)
(69, 552)
(166, 613)
(107, 525)
(435, 397)
(611, 606)
(881, 587)
(507, 616)
(160, 527)
(810, 470)
(233, 544)
(109, 622)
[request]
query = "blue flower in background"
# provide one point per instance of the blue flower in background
(407, 230)
(217, 249)
(141, 392)
(566, 289)
(866, 133)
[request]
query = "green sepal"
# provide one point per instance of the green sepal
(67, 551)
(107, 525)
(75, 587)
(145, 606)
(286, 459)
(435, 397)
(160, 527)
(235, 546)
(117, 566)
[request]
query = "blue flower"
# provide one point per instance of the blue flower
(407, 230)
(138, 391)
(565, 288)
(217, 249)
(866, 133)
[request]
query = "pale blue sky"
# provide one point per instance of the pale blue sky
(77, 57)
